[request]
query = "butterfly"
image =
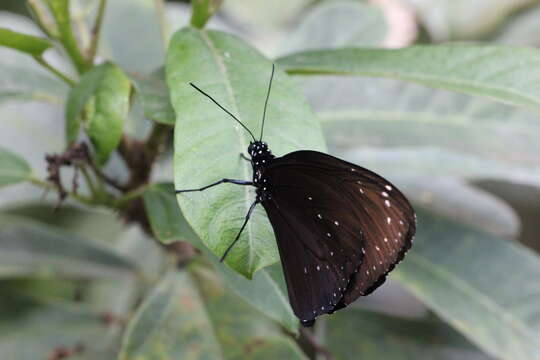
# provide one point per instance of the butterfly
(340, 228)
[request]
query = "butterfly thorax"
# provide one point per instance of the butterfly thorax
(261, 157)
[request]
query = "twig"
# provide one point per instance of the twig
(96, 31)
(312, 340)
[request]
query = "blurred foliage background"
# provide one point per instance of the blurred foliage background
(115, 272)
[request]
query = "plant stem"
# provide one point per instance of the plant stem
(131, 195)
(55, 71)
(96, 31)
(88, 180)
(49, 186)
(160, 9)
(43, 21)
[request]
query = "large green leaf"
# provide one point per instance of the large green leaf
(371, 335)
(208, 142)
(13, 169)
(32, 249)
(265, 291)
(179, 319)
(29, 44)
(505, 74)
(485, 287)
(32, 329)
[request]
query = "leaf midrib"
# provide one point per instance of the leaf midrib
(232, 99)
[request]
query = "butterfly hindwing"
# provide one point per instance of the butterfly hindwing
(340, 229)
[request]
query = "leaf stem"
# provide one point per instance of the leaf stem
(55, 71)
(96, 31)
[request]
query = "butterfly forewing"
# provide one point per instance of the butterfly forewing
(340, 229)
(319, 250)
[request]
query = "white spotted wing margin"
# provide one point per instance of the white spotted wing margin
(340, 229)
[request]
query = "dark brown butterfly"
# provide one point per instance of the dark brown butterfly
(340, 228)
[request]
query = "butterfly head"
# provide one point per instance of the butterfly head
(258, 148)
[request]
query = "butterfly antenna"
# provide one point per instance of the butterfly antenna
(266, 101)
(222, 108)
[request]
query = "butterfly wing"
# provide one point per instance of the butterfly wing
(340, 229)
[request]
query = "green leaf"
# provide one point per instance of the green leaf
(79, 96)
(346, 23)
(32, 329)
(61, 14)
(469, 279)
(13, 169)
(498, 72)
(29, 44)
(32, 249)
(155, 96)
(109, 89)
(111, 106)
(167, 222)
(181, 319)
(208, 142)
(265, 291)
(203, 10)
(371, 335)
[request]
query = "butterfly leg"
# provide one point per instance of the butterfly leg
(232, 181)
(245, 157)
(241, 229)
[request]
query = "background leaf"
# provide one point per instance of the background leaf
(208, 142)
(32, 45)
(13, 169)
(34, 329)
(498, 72)
(213, 324)
(468, 278)
(40, 250)
(155, 96)
(376, 336)
(346, 23)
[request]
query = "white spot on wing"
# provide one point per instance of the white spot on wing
(387, 203)
(318, 268)
(388, 187)
(388, 220)
(384, 193)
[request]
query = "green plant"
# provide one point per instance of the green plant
(89, 100)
